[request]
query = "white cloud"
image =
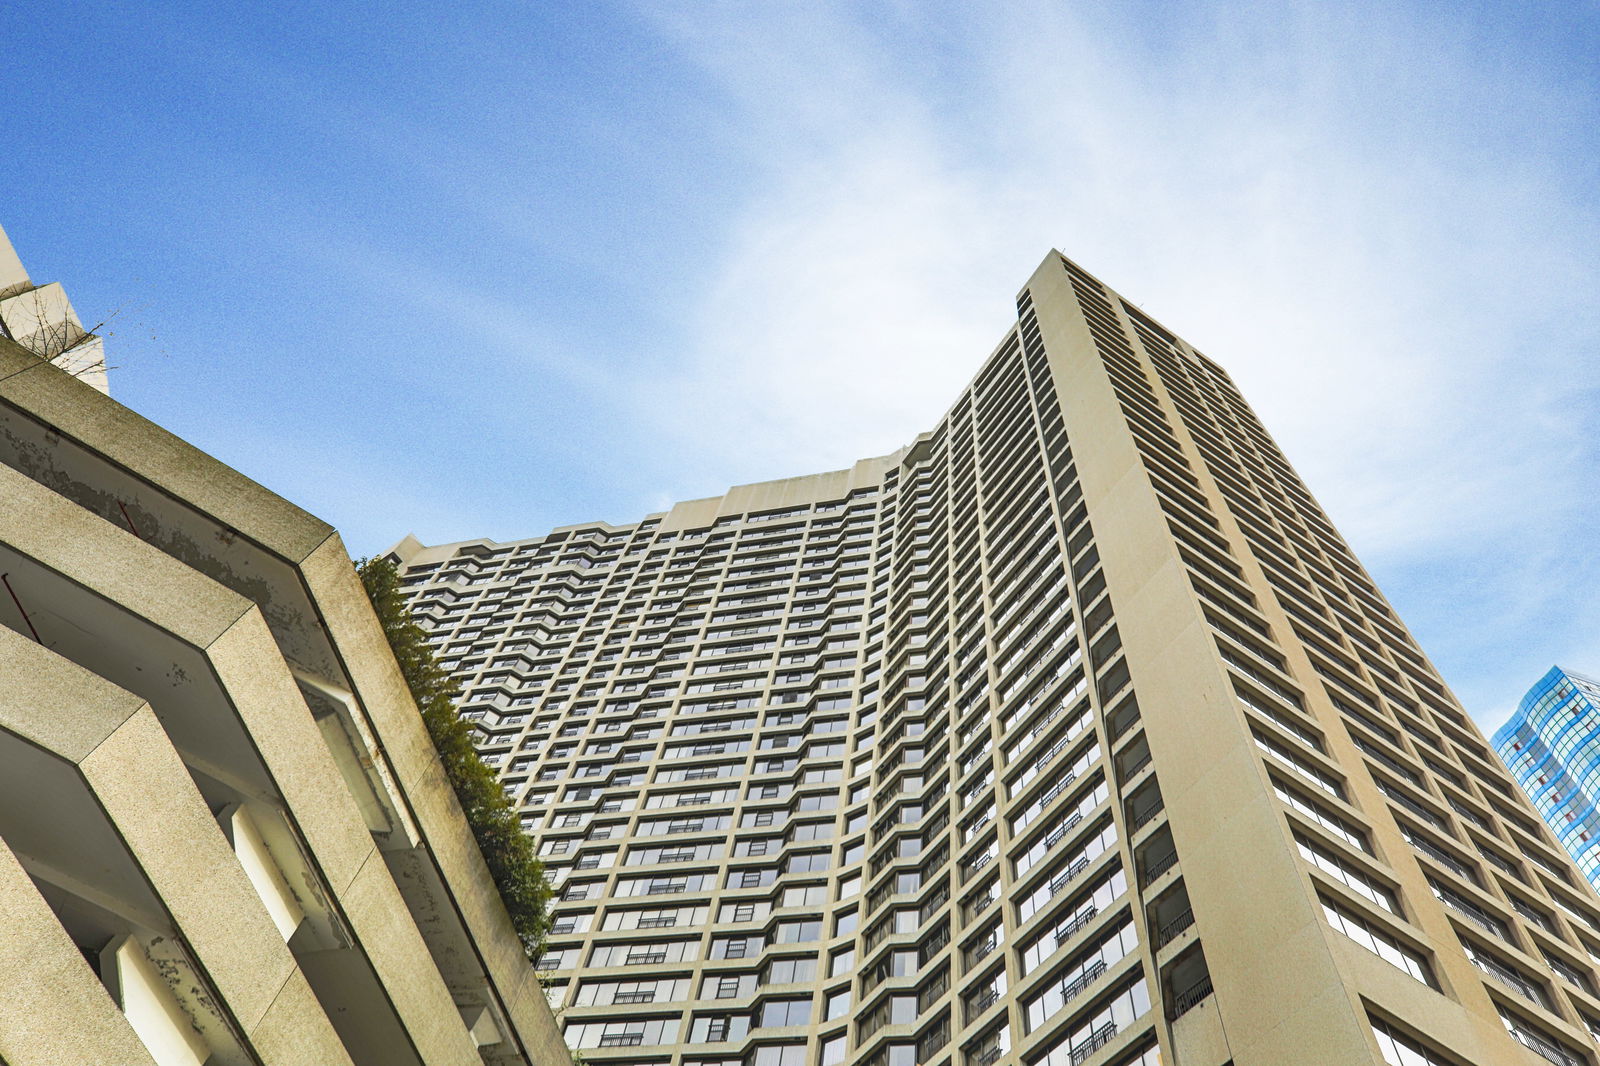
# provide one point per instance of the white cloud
(1332, 212)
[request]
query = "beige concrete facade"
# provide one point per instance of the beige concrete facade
(1073, 734)
(226, 838)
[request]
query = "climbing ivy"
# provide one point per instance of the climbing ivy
(517, 871)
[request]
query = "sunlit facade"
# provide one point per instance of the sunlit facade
(1072, 733)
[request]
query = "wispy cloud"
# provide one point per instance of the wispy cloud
(1366, 232)
(575, 261)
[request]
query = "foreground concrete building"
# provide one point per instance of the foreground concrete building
(224, 835)
(41, 319)
(1073, 733)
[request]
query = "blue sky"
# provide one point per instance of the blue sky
(486, 269)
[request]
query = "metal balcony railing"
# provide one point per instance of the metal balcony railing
(1094, 1042)
(981, 950)
(1056, 789)
(1062, 830)
(1396, 796)
(1472, 914)
(977, 1005)
(1144, 818)
(1442, 857)
(1190, 997)
(651, 959)
(1156, 867)
(1511, 979)
(663, 922)
(1543, 1048)
(1132, 771)
(1530, 914)
(1170, 929)
(1075, 926)
(1063, 879)
(1075, 987)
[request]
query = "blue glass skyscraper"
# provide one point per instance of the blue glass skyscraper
(1552, 746)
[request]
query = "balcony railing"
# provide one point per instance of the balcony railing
(1372, 752)
(981, 950)
(977, 1005)
(1169, 930)
(1062, 830)
(1543, 1048)
(1063, 879)
(1472, 914)
(1075, 926)
(972, 908)
(1138, 764)
(1511, 979)
(1094, 1042)
(1146, 817)
(1396, 796)
(1156, 867)
(1443, 858)
(664, 922)
(1190, 997)
(1056, 789)
(1075, 988)
(974, 863)
(1530, 914)
(1467, 812)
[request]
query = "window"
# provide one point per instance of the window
(1112, 1016)
(787, 971)
(779, 1055)
(1335, 867)
(1401, 1050)
(713, 1028)
(798, 932)
(622, 1033)
(737, 947)
(730, 986)
(1080, 975)
(805, 896)
(1540, 1042)
(781, 1012)
(1379, 942)
(1336, 825)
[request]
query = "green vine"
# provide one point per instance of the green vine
(517, 871)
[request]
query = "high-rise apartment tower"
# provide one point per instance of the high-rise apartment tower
(1073, 733)
(1552, 745)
